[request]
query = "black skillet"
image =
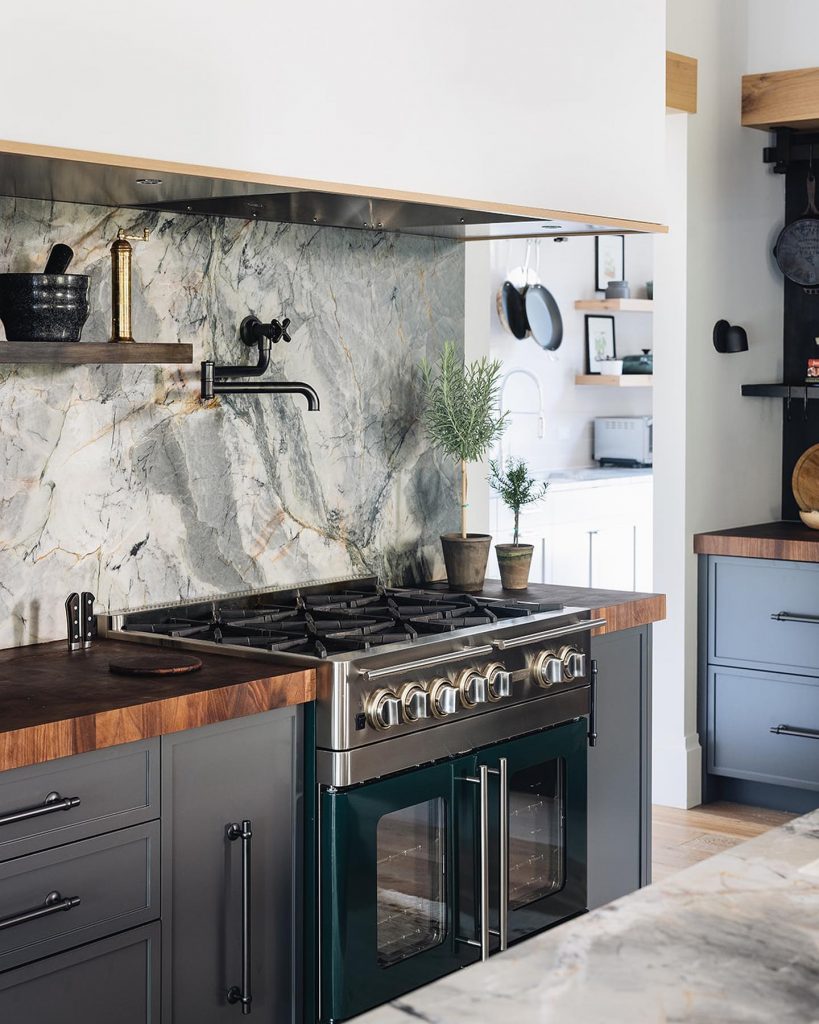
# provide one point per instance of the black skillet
(512, 310)
(543, 317)
(797, 248)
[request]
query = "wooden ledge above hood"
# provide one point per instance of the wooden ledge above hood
(103, 179)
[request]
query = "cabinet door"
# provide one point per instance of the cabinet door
(613, 565)
(247, 769)
(112, 979)
(619, 767)
(568, 553)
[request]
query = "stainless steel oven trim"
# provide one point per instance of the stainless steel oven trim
(342, 768)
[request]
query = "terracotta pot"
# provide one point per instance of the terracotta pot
(466, 560)
(514, 561)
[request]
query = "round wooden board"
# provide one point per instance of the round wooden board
(805, 480)
(154, 663)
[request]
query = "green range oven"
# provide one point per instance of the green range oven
(449, 807)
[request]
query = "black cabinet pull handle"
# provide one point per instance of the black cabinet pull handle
(53, 802)
(795, 730)
(812, 620)
(52, 904)
(593, 705)
(236, 994)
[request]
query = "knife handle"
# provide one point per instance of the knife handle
(89, 623)
(72, 619)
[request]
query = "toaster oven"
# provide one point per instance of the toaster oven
(624, 440)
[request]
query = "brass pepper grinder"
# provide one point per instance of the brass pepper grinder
(121, 251)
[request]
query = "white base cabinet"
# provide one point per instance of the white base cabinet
(587, 534)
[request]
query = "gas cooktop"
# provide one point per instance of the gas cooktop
(323, 623)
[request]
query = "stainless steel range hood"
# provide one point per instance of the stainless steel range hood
(102, 179)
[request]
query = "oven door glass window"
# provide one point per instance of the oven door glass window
(537, 864)
(411, 876)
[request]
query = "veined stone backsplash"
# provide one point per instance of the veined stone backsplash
(115, 479)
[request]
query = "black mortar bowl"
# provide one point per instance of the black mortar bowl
(44, 307)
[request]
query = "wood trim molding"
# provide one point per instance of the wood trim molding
(781, 99)
(233, 181)
(680, 82)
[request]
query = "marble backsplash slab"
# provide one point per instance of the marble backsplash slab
(116, 479)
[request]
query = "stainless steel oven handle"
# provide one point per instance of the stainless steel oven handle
(503, 888)
(440, 659)
(482, 780)
(502, 644)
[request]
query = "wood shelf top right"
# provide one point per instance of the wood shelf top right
(781, 99)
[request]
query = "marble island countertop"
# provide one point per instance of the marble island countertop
(732, 940)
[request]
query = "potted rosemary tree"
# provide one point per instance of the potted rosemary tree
(516, 489)
(462, 420)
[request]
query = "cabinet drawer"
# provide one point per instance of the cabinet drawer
(115, 879)
(115, 979)
(114, 788)
(743, 706)
(744, 595)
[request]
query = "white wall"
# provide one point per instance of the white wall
(527, 104)
(728, 452)
(567, 270)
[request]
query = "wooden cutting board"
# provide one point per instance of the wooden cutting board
(154, 663)
(805, 480)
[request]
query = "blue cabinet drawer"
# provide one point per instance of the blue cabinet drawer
(46, 805)
(744, 596)
(743, 707)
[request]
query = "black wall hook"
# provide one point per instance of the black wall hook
(729, 339)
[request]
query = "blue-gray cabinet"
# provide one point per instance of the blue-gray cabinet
(123, 896)
(619, 799)
(759, 681)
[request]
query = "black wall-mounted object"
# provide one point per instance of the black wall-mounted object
(729, 338)
(222, 380)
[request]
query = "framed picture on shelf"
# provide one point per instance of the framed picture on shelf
(609, 260)
(599, 341)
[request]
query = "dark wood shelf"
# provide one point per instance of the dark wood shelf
(793, 391)
(69, 353)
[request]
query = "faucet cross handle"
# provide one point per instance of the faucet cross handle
(123, 235)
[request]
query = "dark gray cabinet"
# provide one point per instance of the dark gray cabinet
(113, 979)
(247, 769)
(619, 816)
(758, 698)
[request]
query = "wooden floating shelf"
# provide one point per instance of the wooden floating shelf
(680, 83)
(611, 380)
(796, 392)
(74, 353)
(781, 99)
(616, 305)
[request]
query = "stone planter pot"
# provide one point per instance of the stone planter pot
(466, 560)
(514, 561)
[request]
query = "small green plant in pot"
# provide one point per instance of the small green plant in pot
(462, 420)
(516, 489)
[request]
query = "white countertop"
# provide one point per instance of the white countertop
(732, 940)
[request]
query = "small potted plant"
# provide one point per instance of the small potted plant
(463, 421)
(516, 489)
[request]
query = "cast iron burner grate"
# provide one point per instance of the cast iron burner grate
(321, 624)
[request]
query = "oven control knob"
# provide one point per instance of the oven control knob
(500, 681)
(547, 669)
(473, 688)
(443, 698)
(415, 701)
(384, 709)
(574, 662)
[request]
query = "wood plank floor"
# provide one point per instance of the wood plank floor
(681, 838)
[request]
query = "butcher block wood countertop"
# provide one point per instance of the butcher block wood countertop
(790, 542)
(54, 703)
(622, 609)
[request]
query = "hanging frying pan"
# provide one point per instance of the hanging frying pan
(545, 321)
(797, 248)
(511, 310)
